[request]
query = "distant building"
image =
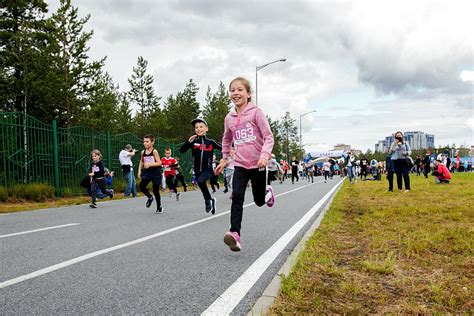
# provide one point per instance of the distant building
(416, 139)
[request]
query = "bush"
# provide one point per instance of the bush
(3, 194)
(37, 192)
(119, 185)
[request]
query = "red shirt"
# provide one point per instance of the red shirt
(166, 163)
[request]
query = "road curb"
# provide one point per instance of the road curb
(263, 304)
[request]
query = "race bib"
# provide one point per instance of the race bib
(148, 159)
(244, 134)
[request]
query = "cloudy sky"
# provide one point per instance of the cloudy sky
(368, 68)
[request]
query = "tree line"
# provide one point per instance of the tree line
(47, 73)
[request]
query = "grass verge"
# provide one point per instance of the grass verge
(388, 252)
(26, 205)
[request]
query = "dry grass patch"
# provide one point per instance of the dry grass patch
(381, 252)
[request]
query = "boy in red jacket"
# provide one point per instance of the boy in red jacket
(168, 164)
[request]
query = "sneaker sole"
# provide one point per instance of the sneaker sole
(230, 241)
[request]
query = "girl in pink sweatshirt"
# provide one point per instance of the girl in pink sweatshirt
(248, 129)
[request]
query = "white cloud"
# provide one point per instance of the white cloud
(467, 75)
(389, 65)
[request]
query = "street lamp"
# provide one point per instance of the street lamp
(301, 115)
(257, 68)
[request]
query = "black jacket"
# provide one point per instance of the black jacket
(202, 150)
(98, 168)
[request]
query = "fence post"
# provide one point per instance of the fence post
(109, 154)
(56, 158)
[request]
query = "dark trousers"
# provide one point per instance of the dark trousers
(97, 182)
(226, 185)
(271, 177)
(180, 178)
(426, 170)
(239, 185)
(363, 172)
(156, 180)
(201, 178)
(326, 174)
(401, 170)
(214, 182)
(294, 174)
(390, 180)
(171, 183)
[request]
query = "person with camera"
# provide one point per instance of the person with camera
(125, 158)
(400, 152)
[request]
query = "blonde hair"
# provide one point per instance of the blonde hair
(97, 153)
(246, 84)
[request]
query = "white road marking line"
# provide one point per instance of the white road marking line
(70, 262)
(226, 302)
(37, 230)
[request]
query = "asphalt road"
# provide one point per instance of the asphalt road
(122, 258)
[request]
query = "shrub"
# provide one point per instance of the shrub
(37, 192)
(3, 194)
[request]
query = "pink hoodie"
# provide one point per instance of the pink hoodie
(251, 134)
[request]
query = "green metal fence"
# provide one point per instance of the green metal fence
(32, 151)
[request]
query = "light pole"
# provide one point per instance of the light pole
(301, 115)
(257, 68)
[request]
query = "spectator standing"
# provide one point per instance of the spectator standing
(125, 158)
(400, 150)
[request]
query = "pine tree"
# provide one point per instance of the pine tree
(22, 32)
(72, 61)
(289, 132)
(122, 121)
(102, 101)
(277, 138)
(214, 112)
(180, 111)
(141, 93)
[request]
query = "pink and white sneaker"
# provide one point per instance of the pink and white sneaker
(270, 196)
(232, 239)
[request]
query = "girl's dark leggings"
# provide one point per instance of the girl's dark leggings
(239, 185)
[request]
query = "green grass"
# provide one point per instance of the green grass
(388, 252)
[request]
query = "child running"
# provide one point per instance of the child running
(169, 163)
(326, 169)
(202, 152)
(96, 174)
(248, 128)
(149, 170)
